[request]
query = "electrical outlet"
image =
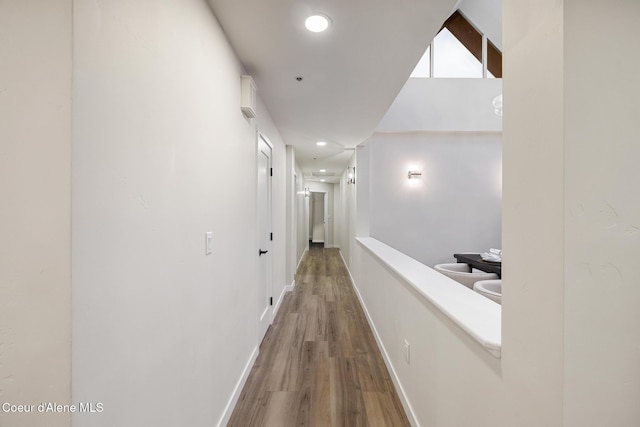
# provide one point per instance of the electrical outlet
(208, 242)
(407, 351)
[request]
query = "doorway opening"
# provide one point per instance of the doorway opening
(318, 213)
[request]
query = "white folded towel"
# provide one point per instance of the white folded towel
(495, 251)
(491, 257)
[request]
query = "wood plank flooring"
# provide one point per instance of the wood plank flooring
(319, 364)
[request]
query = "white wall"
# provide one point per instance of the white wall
(455, 206)
(338, 218)
(161, 155)
(347, 213)
(362, 203)
(444, 105)
(602, 214)
(291, 215)
(566, 203)
(35, 172)
(532, 216)
(302, 222)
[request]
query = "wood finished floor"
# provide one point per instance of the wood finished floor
(319, 364)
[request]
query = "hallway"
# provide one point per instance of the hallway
(319, 364)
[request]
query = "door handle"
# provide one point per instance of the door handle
(260, 252)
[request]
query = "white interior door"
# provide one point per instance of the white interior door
(325, 219)
(264, 236)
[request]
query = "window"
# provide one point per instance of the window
(452, 59)
(494, 60)
(457, 51)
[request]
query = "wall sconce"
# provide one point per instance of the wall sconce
(351, 175)
(497, 105)
(414, 174)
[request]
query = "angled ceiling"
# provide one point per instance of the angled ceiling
(350, 74)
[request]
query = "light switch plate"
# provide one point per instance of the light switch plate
(208, 243)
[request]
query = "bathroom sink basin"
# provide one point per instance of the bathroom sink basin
(463, 273)
(491, 289)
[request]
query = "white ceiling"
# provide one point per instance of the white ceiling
(351, 73)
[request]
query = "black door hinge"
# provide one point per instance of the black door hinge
(271, 236)
(271, 171)
(270, 300)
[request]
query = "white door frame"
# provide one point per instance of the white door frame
(294, 230)
(326, 218)
(265, 285)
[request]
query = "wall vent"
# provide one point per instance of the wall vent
(248, 96)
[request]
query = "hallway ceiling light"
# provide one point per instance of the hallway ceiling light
(321, 143)
(323, 170)
(317, 23)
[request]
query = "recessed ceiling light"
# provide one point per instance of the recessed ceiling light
(317, 23)
(323, 170)
(321, 143)
(322, 180)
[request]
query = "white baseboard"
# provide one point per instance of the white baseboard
(286, 289)
(394, 376)
(228, 410)
(353, 282)
(301, 258)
